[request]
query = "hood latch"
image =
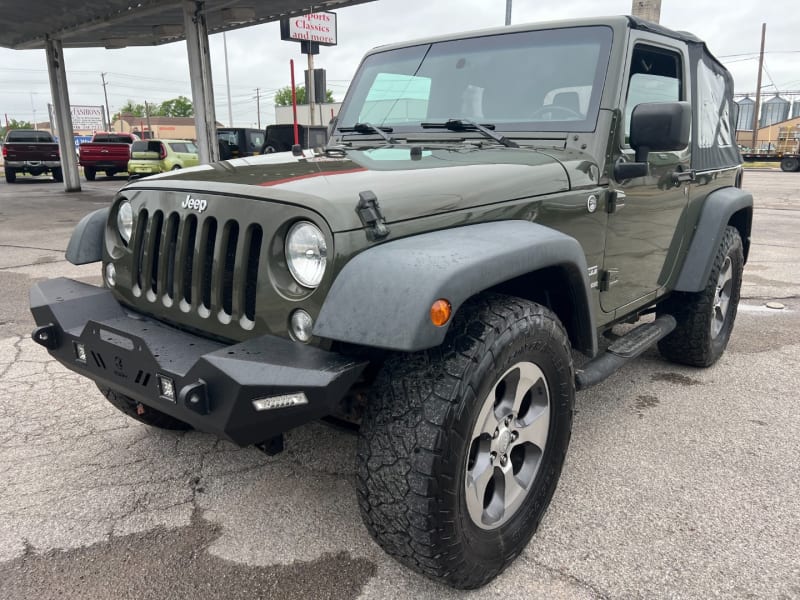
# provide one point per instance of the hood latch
(369, 211)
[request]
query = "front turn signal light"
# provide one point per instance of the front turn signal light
(440, 312)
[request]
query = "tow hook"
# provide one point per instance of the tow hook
(272, 446)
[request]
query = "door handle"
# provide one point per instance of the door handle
(684, 176)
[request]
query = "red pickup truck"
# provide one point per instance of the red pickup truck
(108, 152)
(31, 151)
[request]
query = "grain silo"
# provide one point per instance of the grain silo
(746, 108)
(774, 110)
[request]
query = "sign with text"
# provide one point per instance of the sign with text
(88, 118)
(315, 27)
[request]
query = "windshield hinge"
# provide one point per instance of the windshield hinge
(369, 211)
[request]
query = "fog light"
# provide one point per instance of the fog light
(166, 388)
(302, 323)
(284, 401)
(80, 352)
(111, 274)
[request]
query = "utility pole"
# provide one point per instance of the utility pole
(311, 92)
(649, 10)
(147, 115)
(258, 106)
(508, 12)
(105, 93)
(227, 79)
(758, 88)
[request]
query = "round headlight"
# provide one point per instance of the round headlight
(306, 253)
(125, 220)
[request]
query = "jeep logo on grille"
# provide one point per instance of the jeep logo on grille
(194, 203)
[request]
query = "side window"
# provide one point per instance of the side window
(656, 76)
(256, 139)
(178, 147)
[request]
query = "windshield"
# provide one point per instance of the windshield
(547, 80)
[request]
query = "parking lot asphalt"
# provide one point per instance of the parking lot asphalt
(679, 482)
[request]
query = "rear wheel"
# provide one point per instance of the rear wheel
(143, 414)
(462, 445)
(790, 164)
(11, 175)
(89, 173)
(705, 319)
(58, 174)
(110, 173)
(176, 168)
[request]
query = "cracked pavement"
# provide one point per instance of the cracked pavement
(679, 483)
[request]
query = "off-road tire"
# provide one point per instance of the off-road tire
(149, 416)
(790, 164)
(692, 342)
(58, 174)
(11, 175)
(415, 439)
(89, 173)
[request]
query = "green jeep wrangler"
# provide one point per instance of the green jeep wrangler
(487, 204)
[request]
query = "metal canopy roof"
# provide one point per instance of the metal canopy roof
(120, 23)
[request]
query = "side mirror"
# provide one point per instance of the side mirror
(655, 127)
(660, 127)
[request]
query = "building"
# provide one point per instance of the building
(324, 113)
(767, 137)
(747, 107)
(179, 128)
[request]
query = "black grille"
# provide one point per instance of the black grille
(198, 264)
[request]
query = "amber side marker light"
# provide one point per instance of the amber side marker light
(440, 312)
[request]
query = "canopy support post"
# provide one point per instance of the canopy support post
(60, 94)
(205, 119)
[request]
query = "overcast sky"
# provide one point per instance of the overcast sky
(259, 59)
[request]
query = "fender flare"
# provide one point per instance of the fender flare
(86, 244)
(382, 297)
(718, 209)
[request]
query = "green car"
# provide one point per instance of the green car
(157, 156)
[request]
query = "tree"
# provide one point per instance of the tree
(14, 124)
(177, 107)
(283, 97)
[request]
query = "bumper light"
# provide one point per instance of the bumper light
(111, 275)
(302, 324)
(80, 352)
(283, 401)
(166, 388)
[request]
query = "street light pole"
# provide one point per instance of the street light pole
(508, 12)
(227, 80)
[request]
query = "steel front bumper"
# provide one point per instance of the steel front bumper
(215, 384)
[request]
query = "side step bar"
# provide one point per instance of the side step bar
(625, 349)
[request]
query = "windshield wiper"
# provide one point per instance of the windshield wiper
(370, 128)
(467, 125)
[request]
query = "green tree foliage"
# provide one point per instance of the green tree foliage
(176, 107)
(14, 124)
(283, 97)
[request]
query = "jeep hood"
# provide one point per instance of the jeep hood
(408, 185)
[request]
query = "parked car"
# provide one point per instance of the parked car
(280, 138)
(489, 203)
(157, 156)
(31, 151)
(107, 152)
(239, 141)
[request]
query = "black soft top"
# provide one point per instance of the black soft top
(713, 137)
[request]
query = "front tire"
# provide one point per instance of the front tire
(143, 414)
(705, 319)
(462, 446)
